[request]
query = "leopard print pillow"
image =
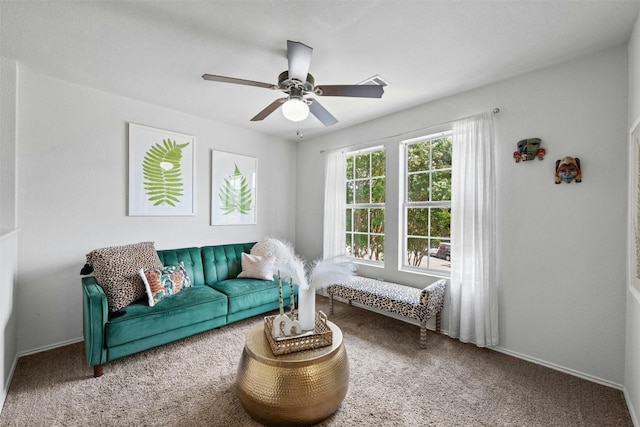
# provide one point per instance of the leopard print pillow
(116, 271)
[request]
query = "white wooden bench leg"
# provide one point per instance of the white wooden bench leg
(423, 334)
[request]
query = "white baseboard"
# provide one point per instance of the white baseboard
(50, 347)
(3, 397)
(558, 368)
(632, 412)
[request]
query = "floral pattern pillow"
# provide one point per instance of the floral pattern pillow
(164, 282)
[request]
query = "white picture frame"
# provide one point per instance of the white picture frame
(161, 172)
(234, 185)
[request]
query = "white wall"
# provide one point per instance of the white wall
(72, 174)
(561, 247)
(8, 233)
(632, 356)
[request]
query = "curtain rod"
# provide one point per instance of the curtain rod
(495, 111)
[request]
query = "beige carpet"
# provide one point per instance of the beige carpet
(392, 383)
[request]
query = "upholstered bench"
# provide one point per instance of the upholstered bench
(406, 301)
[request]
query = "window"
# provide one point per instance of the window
(427, 203)
(365, 204)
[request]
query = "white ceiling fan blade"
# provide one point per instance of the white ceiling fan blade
(299, 56)
(321, 113)
(360, 91)
(224, 79)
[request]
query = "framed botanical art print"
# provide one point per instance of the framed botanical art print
(233, 189)
(160, 172)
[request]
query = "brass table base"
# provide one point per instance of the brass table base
(293, 389)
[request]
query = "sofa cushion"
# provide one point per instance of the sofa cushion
(163, 282)
(245, 294)
(116, 270)
(189, 307)
(257, 267)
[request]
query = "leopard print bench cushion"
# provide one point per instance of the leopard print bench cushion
(391, 297)
(116, 270)
(433, 297)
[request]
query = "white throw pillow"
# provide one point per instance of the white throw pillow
(257, 267)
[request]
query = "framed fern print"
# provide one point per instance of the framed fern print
(233, 189)
(160, 172)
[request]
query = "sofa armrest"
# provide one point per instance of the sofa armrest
(95, 313)
(432, 297)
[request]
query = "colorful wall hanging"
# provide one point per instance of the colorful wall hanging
(567, 169)
(529, 149)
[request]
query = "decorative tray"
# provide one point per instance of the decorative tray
(321, 336)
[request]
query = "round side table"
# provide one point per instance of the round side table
(301, 388)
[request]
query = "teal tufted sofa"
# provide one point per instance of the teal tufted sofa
(217, 297)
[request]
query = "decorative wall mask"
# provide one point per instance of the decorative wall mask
(567, 169)
(529, 149)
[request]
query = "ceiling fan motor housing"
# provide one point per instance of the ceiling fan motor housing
(285, 83)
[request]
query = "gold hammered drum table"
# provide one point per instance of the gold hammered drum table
(301, 388)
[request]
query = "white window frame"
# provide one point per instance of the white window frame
(368, 206)
(406, 205)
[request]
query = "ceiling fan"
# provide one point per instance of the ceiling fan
(297, 83)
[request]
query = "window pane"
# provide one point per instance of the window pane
(377, 190)
(377, 221)
(360, 246)
(441, 186)
(418, 157)
(377, 248)
(441, 153)
(440, 222)
(378, 163)
(362, 191)
(360, 220)
(418, 187)
(349, 168)
(416, 252)
(349, 244)
(418, 222)
(349, 220)
(362, 165)
(441, 259)
(350, 185)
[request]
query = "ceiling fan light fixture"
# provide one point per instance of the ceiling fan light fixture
(295, 110)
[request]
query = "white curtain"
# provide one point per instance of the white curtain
(335, 194)
(473, 316)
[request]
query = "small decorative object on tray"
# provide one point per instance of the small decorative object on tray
(283, 325)
(321, 336)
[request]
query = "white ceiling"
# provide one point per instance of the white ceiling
(157, 51)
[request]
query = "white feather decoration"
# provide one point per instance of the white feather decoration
(331, 270)
(290, 265)
(286, 260)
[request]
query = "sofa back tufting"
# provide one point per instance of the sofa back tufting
(223, 262)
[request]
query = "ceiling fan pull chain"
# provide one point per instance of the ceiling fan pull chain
(298, 132)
